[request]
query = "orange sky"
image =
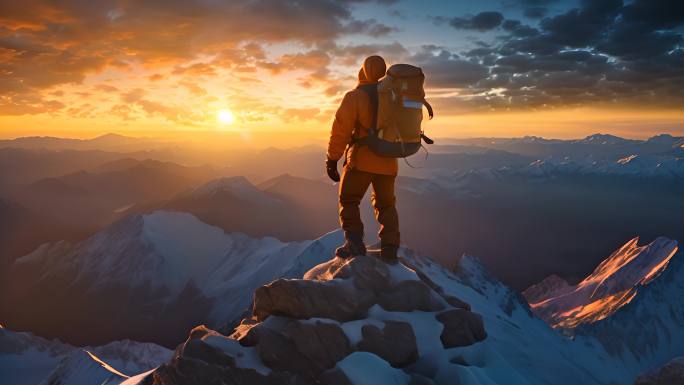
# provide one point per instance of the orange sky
(90, 68)
(561, 123)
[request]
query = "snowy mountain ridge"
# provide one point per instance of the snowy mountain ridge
(614, 283)
(26, 359)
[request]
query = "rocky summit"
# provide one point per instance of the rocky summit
(354, 321)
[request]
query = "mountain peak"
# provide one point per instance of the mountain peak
(226, 183)
(603, 139)
(238, 186)
(613, 284)
(111, 138)
(662, 138)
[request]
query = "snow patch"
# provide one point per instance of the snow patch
(362, 368)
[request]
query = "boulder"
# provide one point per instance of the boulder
(327, 271)
(370, 273)
(461, 328)
(301, 299)
(199, 331)
(335, 376)
(243, 328)
(395, 343)
(196, 362)
(367, 272)
(408, 296)
(305, 348)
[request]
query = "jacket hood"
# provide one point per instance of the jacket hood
(373, 69)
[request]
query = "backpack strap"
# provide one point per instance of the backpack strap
(372, 91)
(429, 108)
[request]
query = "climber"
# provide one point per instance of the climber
(363, 167)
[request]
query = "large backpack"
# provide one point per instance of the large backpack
(397, 102)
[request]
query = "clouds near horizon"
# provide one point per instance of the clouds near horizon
(292, 60)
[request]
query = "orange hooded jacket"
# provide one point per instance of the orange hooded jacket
(356, 106)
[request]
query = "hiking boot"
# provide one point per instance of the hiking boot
(388, 254)
(352, 247)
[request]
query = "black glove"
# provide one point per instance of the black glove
(331, 169)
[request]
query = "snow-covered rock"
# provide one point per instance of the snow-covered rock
(297, 337)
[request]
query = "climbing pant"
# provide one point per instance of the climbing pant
(352, 189)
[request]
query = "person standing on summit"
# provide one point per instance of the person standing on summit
(376, 123)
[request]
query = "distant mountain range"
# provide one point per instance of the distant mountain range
(600, 145)
(574, 199)
(106, 142)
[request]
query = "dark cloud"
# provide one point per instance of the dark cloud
(483, 21)
(601, 52)
(447, 69)
(536, 2)
(516, 28)
(533, 9)
(535, 12)
(369, 27)
(583, 26)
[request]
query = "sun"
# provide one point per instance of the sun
(225, 116)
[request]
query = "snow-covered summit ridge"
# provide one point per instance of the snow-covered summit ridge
(614, 283)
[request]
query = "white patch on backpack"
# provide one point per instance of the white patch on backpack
(408, 103)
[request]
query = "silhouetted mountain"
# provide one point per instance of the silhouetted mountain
(20, 231)
(80, 203)
(106, 142)
(234, 204)
(20, 167)
(599, 146)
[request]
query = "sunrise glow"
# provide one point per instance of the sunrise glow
(225, 117)
(83, 72)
